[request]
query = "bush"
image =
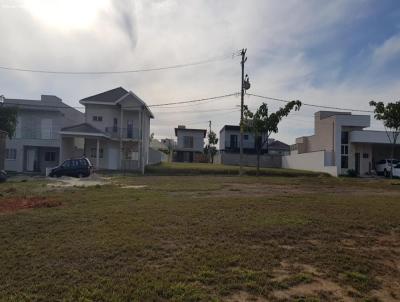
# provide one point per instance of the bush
(351, 173)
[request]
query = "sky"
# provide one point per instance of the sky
(332, 53)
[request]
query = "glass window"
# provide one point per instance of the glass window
(93, 152)
(345, 161)
(188, 141)
(50, 156)
(246, 137)
(11, 154)
(345, 137)
(365, 155)
(97, 118)
(345, 149)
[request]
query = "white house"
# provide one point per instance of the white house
(190, 144)
(36, 142)
(115, 134)
(340, 143)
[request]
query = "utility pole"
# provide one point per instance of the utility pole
(209, 123)
(244, 59)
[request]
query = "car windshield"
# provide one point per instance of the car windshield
(395, 161)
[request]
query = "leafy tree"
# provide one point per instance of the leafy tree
(151, 136)
(389, 114)
(8, 119)
(262, 124)
(211, 150)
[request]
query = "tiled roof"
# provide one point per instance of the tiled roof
(109, 96)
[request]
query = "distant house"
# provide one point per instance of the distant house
(35, 145)
(115, 134)
(229, 142)
(229, 147)
(3, 137)
(339, 144)
(190, 144)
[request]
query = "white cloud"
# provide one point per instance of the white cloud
(121, 34)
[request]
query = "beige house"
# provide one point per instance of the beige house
(340, 143)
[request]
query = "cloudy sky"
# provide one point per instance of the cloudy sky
(335, 53)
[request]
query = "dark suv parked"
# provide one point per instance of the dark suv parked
(78, 167)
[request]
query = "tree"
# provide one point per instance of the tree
(8, 119)
(262, 124)
(211, 150)
(151, 136)
(389, 114)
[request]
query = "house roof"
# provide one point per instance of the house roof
(191, 130)
(114, 96)
(230, 127)
(82, 128)
(110, 96)
(278, 145)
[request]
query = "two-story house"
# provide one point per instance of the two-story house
(229, 142)
(190, 144)
(36, 142)
(115, 134)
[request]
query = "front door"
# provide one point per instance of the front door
(113, 158)
(357, 158)
(30, 159)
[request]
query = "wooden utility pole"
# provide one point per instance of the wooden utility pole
(244, 59)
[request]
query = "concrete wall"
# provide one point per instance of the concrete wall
(312, 161)
(266, 160)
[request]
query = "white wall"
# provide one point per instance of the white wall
(198, 140)
(312, 161)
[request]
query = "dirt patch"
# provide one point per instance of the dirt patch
(243, 297)
(65, 182)
(20, 203)
(133, 187)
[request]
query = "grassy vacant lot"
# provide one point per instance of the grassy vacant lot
(201, 238)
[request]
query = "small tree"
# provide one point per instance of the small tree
(8, 119)
(390, 116)
(262, 124)
(211, 150)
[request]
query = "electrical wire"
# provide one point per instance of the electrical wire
(310, 105)
(43, 71)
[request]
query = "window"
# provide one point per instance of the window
(11, 154)
(365, 155)
(93, 152)
(115, 125)
(97, 118)
(345, 161)
(344, 150)
(188, 142)
(345, 137)
(50, 156)
(246, 137)
(234, 141)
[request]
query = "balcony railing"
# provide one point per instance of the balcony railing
(36, 133)
(125, 133)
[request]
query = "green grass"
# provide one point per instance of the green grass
(217, 169)
(200, 238)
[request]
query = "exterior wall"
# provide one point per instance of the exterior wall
(312, 161)
(156, 156)
(366, 164)
(250, 160)
(3, 136)
(198, 140)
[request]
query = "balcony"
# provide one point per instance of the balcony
(124, 133)
(36, 133)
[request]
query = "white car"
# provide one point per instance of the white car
(396, 171)
(385, 165)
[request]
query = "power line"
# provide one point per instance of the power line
(44, 106)
(310, 105)
(20, 69)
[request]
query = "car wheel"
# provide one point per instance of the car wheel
(385, 173)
